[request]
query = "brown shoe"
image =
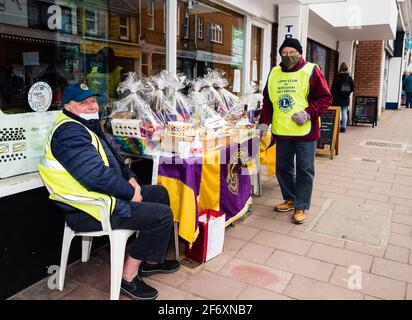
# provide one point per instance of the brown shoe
(299, 216)
(285, 206)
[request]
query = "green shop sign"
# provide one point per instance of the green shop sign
(238, 43)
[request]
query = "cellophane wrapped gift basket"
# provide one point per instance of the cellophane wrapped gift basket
(153, 114)
(136, 128)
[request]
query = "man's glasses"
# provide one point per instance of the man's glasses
(289, 53)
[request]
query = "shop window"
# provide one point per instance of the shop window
(83, 55)
(153, 49)
(67, 22)
(200, 28)
(124, 27)
(150, 14)
(218, 25)
(319, 54)
(216, 33)
(91, 22)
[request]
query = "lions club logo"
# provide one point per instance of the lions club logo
(237, 161)
(84, 87)
(286, 103)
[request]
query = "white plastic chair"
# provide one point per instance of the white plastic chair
(118, 239)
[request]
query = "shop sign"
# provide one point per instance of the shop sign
(31, 58)
(40, 97)
(213, 57)
(124, 51)
(186, 55)
(237, 46)
(23, 139)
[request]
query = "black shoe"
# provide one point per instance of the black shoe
(168, 266)
(137, 289)
(342, 129)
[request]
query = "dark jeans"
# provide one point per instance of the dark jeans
(296, 183)
(408, 102)
(152, 217)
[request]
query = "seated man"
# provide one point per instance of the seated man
(78, 160)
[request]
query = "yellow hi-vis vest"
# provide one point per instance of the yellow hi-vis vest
(58, 179)
(288, 92)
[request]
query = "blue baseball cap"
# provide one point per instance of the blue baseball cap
(77, 92)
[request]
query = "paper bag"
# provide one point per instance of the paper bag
(209, 242)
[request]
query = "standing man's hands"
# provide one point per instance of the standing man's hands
(300, 117)
(137, 196)
(263, 129)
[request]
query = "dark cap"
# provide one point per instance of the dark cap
(77, 92)
(292, 43)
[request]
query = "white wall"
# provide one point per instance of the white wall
(394, 80)
(293, 22)
(345, 49)
(171, 35)
(290, 16)
(259, 8)
(321, 31)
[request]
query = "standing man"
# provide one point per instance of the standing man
(79, 161)
(295, 96)
(408, 90)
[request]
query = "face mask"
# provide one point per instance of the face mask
(89, 116)
(290, 61)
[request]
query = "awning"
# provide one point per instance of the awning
(357, 19)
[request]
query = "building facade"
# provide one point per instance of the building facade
(60, 42)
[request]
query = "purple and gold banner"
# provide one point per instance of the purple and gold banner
(220, 180)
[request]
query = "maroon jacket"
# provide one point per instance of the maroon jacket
(319, 99)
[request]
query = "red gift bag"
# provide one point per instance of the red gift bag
(209, 242)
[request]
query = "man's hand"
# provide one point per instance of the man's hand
(263, 129)
(137, 196)
(300, 117)
(134, 183)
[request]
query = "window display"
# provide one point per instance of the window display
(214, 40)
(320, 55)
(99, 42)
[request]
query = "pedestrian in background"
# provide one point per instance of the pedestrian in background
(407, 87)
(342, 87)
(295, 96)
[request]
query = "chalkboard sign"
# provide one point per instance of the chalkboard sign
(329, 131)
(365, 110)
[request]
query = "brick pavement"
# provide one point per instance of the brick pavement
(268, 257)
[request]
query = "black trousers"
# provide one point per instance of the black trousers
(152, 217)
